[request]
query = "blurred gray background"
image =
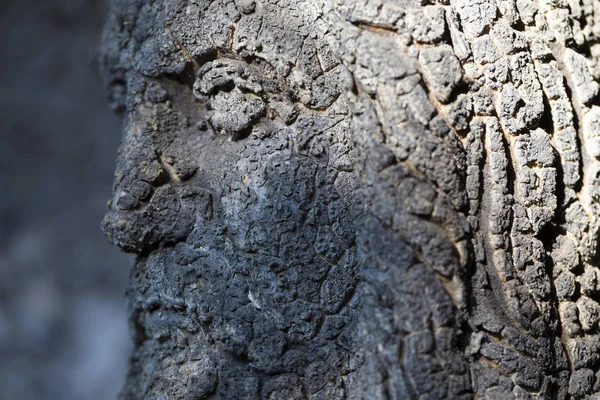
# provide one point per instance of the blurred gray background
(63, 329)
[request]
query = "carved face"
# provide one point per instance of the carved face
(235, 185)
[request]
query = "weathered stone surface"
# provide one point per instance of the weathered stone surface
(441, 70)
(359, 199)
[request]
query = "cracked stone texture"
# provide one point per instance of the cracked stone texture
(361, 199)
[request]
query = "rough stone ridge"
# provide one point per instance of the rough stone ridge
(378, 199)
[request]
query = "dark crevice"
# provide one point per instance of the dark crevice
(511, 179)
(207, 57)
(242, 134)
(519, 25)
(578, 137)
(186, 77)
(546, 122)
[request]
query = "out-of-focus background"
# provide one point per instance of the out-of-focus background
(63, 324)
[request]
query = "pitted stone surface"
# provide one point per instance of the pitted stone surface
(359, 199)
